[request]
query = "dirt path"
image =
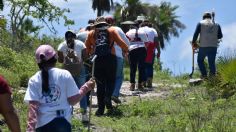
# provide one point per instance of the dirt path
(126, 94)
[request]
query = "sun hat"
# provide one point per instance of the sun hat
(44, 53)
(100, 20)
(127, 23)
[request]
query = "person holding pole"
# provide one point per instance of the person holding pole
(100, 42)
(210, 33)
(50, 94)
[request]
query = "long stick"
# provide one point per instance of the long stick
(191, 74)
(91, 93)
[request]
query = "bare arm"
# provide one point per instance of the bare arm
(9, 112)
(85, 54)
(157, 47)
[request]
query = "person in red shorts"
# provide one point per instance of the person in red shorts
(6, 107)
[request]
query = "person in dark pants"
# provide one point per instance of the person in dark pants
(105, 64)
(210, 33)
(137, 55)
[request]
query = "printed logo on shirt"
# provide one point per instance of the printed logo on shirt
(52, 96)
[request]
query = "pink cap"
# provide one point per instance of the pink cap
(44, 52)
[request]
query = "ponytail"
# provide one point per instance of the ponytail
(43, 66)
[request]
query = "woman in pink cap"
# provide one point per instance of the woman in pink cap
(50, 94)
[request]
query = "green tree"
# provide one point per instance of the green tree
(101, 6)
(163, 17)
(23, 12)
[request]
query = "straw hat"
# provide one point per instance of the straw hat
(99, 21)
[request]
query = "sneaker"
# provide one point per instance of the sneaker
(116, 99)
(85, 118)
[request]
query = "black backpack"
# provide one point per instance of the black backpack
(102, 43)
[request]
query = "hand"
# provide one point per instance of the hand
(70, 53)
(194, 46)
(91, 83)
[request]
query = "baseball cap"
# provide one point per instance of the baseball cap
(44, 53)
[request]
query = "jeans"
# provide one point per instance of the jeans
(119, 76)
(210, 53)
(149, 68)
(59, 124)
(80, 80)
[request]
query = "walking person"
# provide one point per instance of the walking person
(210, 33)
(6, 107)
(119, 61)
(151, 45)
(50, 94)
(137, 55)
(82, 36)
(100, 42)
(70, 53)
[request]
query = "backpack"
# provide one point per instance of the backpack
(102, 43)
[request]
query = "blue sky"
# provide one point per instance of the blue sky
(177, 54)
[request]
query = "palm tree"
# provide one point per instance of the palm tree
(1, 5)
(102, 5)
(163, 17)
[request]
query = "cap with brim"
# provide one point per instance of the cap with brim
(100, 21)
(127, 23)
(44, 53)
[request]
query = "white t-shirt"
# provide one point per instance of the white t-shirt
(151, 33)
(118, 50)
(136, 44)
(78, 47)
(61, 85)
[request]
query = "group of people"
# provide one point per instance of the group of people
(53, 91)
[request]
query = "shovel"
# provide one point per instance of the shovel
(191, 80)
(91, 94)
